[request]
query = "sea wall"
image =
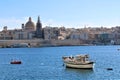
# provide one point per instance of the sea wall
(40, 43)
(118, 41)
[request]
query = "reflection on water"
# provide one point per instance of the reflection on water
(84, 74)
(80, 71)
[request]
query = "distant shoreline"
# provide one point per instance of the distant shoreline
(42, 43)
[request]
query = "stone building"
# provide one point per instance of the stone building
(6, 34)
(51, 33)
(27, 31)
(30, 26)
(79, 35)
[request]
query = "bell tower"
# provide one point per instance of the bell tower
(38, 28)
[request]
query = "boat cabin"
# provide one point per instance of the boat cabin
(82, 58)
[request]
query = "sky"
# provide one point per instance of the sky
(57, 13)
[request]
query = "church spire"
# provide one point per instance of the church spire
(38, 28)
(38, 19)
(39, 25)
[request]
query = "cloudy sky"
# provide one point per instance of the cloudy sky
(68, 13)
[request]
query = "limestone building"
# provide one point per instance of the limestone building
(27, 31)
(30, 26)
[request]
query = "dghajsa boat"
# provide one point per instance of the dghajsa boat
(15, 62)
(78, 61)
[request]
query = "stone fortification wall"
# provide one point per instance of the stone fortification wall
(117, 41)
(66, 42)
(39, 43)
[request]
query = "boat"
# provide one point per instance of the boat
(79, 61)
(16, 62)
(109, 68)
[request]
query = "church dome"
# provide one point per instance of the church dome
(30, 26)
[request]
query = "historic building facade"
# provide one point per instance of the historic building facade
(30, 26)
(28, 31)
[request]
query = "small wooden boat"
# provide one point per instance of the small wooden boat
(15, 62)
(109, 68)
(79, 61)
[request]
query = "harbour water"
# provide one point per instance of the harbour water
(46, 63)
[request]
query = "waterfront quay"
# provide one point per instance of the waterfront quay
(37, 35)
(40, 43)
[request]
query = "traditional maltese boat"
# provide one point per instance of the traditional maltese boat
(15, 62)
(78, 61)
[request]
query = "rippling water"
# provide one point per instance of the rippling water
(46, 63)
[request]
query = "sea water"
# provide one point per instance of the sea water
(46, 63)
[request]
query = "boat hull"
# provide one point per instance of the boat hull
(16, 62)
(79, 66)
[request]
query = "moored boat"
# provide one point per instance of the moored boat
(78, 61)
(15, 62)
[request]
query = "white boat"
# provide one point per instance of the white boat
(79, 61)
